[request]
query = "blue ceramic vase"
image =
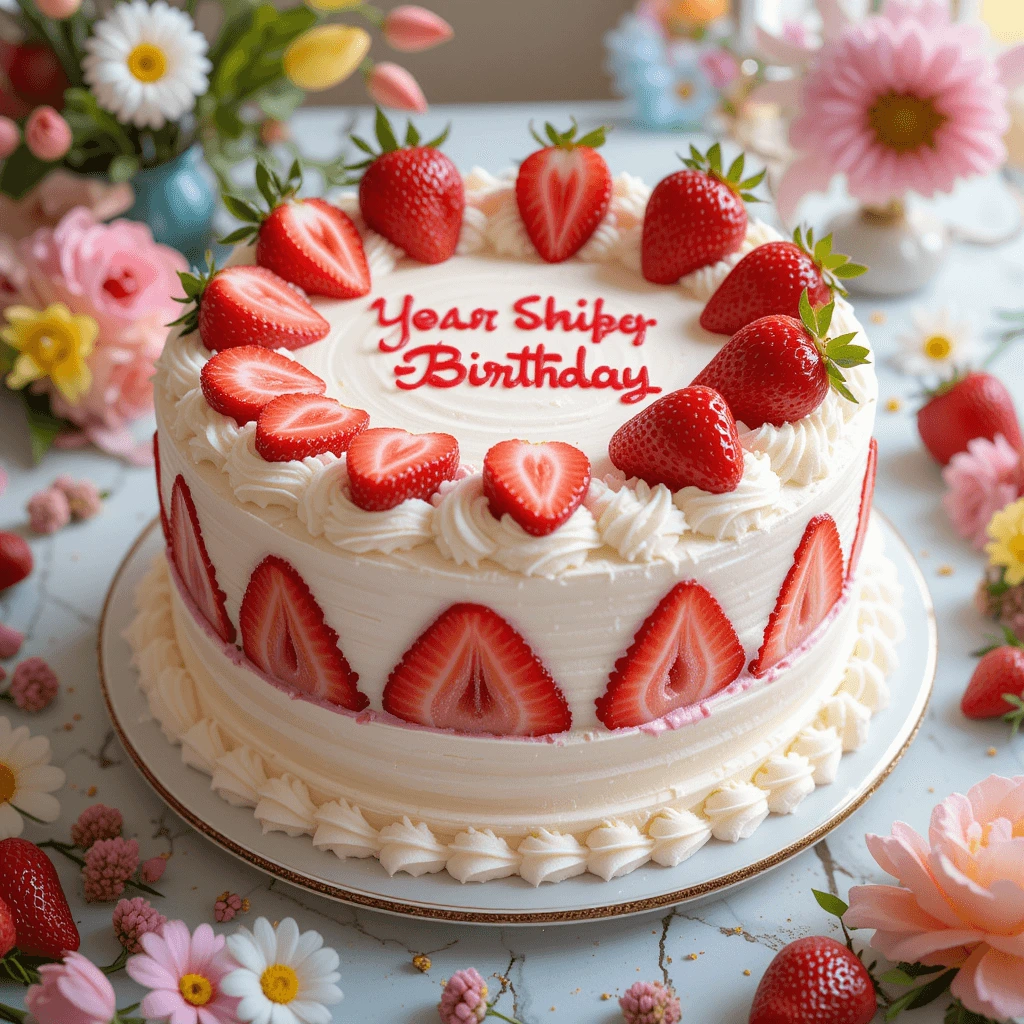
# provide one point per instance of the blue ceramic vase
(178, 200)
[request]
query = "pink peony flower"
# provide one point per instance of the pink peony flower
(34, 685)
(109, 863)
(183, 973)
(10, 641)
(390, 85)
(411, 28)
(650, 1002)
(83, 496)
(73, 992)
(47, 134)
(10, 137)
(904, 101)
(982, 480)
(134, 918)
(960, 902)
(152, 870)
(48, 511)
(95, 823)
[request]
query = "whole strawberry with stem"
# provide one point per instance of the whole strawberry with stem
(779, 369)
(563, 191)
(996, 688)
(696, 216)
(411, 193)
(966, 406)
(771, 278)
(309, 242)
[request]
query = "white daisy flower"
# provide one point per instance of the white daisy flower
(26, 779)
(145, 63)
(935, 344)
(283, 977)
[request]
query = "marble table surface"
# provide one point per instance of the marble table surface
(713, 952)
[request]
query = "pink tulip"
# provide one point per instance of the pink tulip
(59, 10)
(47, 134)
(72, 992)
(10, 136)
(410, 28)
(390, 85)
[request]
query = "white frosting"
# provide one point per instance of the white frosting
(180, 364)
(173, 701)
(677, 835)
(203, 745)
(848, 717)
(463, 525)
(239, 776)
(551, 857)
(550, 555)
(411, 848)
(211, 436)
(285, 806)
(269, 483)
(342, 829)
(823, 750)
(640, 522)
(788, 779)
(736, 810)
(728, 516)
(616, 849)
(480, 857)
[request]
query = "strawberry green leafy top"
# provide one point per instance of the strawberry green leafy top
(835, 352)
(711, 164)
(594, 139)
(388, 141)
(274, 189)
(834, 266)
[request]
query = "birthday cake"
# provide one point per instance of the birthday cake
(516, 525)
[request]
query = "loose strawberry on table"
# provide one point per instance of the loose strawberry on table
(996, 688)
(15, 559)
(771, 278)
(247, 306)
(563, 191)
(297, 426)
(387, 465)
(309, 242)
(696, 216)
(778, 369)
(412, 194)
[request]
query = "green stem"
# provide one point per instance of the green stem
(64, 848)
(51, 33)
(9, 1013)
(374, 15)
(492, 1012)
(17, 971)
(117, 965)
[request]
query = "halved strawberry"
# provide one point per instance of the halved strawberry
(685, 652)
(563, 191)
(867, 493)
(239, 382)
(295, 426)
(247, 306)
(188, 552)
(810, 590)
(387, 466)
(284, 634)
(309, 242)
(165, 523)
(470, 671)
(538, 485)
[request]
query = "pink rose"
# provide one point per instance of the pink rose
(58, 194)
(47, 134)
(72, 992)
(960, 902)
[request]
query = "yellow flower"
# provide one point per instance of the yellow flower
(325, 55)
(54, 343)
(335, 5)
(1006, 549)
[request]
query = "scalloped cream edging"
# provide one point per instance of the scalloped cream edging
(283, 802)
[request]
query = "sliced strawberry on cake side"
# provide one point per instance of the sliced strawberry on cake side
(298, 426)
(563, 191)
(412, 194)
(539, 485)
(165, 523)
(309, 242)
(284, 633)
(190, 557)
(471, 672)
(809, 592)
(867, 494)
(247, 306)
(685, 652)
(239, 382)
(771, 278)
(696, 216)
(388, 465)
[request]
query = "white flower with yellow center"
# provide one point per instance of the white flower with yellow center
(936, 344)
(283, 976)
(145, 63)
(27, 779)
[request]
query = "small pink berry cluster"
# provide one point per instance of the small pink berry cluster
(95, 823)
(228, 905)
(133, 919)
(650, 1002)
(33, 686)
(152, 870)
(109, 864)
(464, 999)
(65, 499)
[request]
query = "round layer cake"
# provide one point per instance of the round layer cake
(439, 607)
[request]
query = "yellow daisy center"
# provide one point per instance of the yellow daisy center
(280, 983)
(195, 989)
(684, 90)
(8, 783)
(1015, 545)
(147, 62)
(903, 122)
(938, 347)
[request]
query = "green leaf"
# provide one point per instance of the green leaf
(265, 184)
(123, 168)
(918, 970)
(363, 145)
(749, 197)
(412, 136)
(899, 1005)
(553, 137)
(240, 209)
(714, 159)
(595, 139)
(930, 992)
(810, 321)
(830, 904)
(850, 270)
(1014, 719)
(842, 339)
(823, 249)
(439, 140)
(749, 183)
(896, 976)
(22, 172)
(243, 234)
(385, 135)
(735, 172)
(280, 100)
(43, 426)
(957, 1013)
(825, 319)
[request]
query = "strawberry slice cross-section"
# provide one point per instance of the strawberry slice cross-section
(188, 552)
(297, 426)
(387, 465)
(685, 652)
(471, 672)
(867, 494)
(809, 592)
(284, 634)
(538, 485)
(239, 382)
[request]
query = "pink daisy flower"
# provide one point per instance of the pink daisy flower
(982, 481)
(905, 101)
(183, 973)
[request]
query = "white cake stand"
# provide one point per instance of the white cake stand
(513, 901)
